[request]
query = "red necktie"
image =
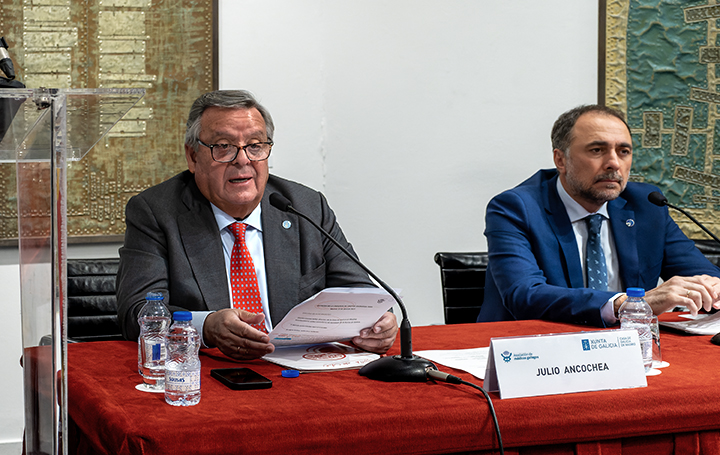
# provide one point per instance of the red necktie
(245, 290)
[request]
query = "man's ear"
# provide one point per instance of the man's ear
(559, 159)
(191, 158)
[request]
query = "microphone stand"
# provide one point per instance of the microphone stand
(405, 367)
(692, 218)
(660, 199)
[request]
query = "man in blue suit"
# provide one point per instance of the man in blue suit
(537, 235)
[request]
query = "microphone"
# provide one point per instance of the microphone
(6, 64)
(658, 199)
(405, 367)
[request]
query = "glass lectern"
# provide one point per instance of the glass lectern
(41, 130)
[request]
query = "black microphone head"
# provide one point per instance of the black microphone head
(6, 64)
(280, 202)
(657, 198)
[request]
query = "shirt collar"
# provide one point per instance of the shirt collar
(574, 210)
(224, 220)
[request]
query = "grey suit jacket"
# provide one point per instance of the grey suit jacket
(172, 244)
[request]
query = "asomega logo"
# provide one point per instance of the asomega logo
(507, 356)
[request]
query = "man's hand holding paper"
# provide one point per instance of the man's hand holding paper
(380, 336)
(336, 314)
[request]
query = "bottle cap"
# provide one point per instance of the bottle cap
(635, 292)
(290, 373)
(182, 316)
(154, 296)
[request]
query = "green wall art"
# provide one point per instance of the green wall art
(661, 69)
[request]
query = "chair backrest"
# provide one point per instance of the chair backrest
(463, 285)
(710, 249)
(91, 304)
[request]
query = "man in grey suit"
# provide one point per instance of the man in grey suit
(178, 238)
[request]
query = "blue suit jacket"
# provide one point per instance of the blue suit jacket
(534, 269)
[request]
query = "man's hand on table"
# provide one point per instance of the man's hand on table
(694, 292)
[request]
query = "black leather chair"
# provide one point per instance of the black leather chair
(91, 304)
(710, 249)
(463, 285)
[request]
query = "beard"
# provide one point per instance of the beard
(591, 193)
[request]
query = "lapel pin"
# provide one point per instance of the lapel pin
(286, 224)
(630, 222)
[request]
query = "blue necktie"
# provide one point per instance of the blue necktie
(594, 256)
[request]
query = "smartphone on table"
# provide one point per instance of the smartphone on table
(241, 378)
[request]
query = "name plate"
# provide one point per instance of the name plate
(564, 363)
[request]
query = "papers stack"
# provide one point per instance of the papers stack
(702, 324)
(307, 337)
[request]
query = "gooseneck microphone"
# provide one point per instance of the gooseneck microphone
(405, 367)
(658, 199)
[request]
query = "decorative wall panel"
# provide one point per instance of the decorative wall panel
(661, 69)
(163, 46)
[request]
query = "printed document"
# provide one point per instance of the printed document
(702, 324)
(333, 314)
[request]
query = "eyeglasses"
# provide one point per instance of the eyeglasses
(226, 153)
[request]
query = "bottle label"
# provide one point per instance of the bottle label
(182, 381)
(154, 351)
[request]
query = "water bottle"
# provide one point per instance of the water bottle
(154, 320)
(182, 368)
(635, 313)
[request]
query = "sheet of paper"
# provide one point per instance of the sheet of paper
(321, 357)
(702, 324)
(333, 314)
(472, 361)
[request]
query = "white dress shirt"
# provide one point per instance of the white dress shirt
(254, 242)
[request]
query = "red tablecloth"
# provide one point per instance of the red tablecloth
(343, 412)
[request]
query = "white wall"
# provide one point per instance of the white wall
(408, 114)
(411, 114)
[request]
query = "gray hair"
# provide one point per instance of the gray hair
(562, 130)
(234, 99)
